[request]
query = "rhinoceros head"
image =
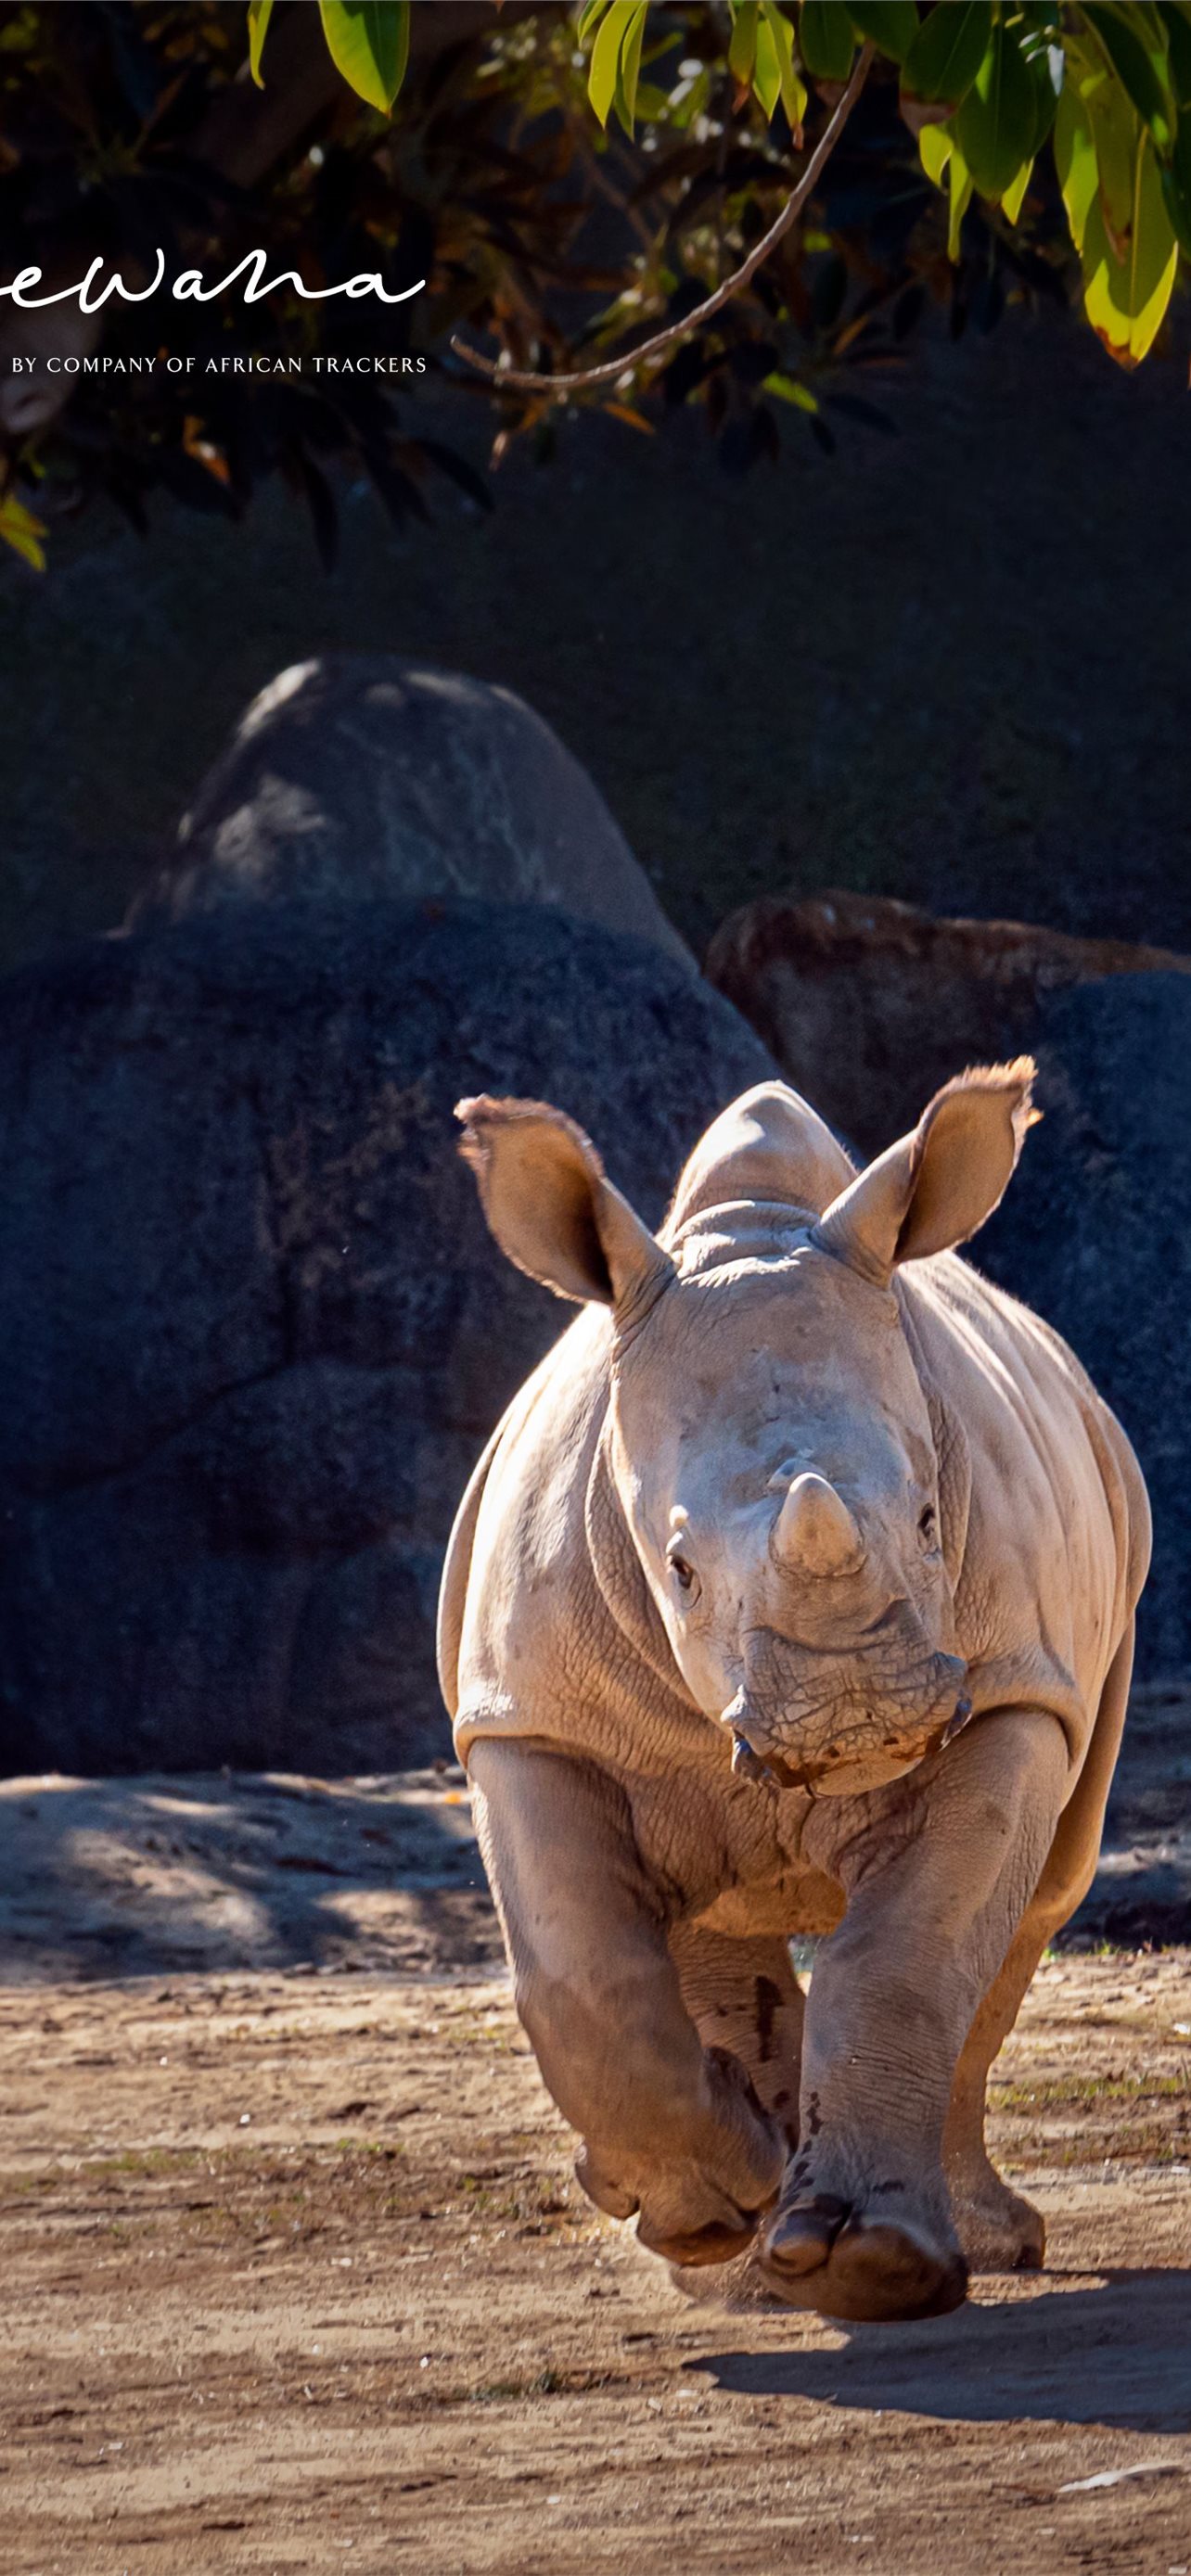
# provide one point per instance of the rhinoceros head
(770, 1438)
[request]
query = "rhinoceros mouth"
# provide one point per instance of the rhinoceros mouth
(781, 1754)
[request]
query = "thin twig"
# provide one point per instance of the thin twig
(613, 369)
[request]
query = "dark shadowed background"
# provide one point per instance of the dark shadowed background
(945, 666)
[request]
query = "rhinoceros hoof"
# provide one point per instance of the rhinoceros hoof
(999, 2231)
(846, 2263)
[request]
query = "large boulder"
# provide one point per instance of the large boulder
(1096, 1233)
(868, 1005)
(254, 1330)
(360, 776)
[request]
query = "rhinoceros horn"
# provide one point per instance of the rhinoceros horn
(814, 1532)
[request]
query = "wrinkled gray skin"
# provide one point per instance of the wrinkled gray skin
(794, 1594)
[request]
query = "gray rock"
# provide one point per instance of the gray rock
(869, 1005)
(254, 1330)
(1096, 1233)
(360, 775)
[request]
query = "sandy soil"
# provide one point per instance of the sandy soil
(296, 2273)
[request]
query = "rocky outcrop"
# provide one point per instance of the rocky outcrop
(358, 776)
(253, 1328)
(868, 1005)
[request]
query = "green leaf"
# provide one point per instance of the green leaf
(1042, 52)
(1013, 197)
(959, 180)
(947, 51)
(589, 18)
(259, 14)
(767, 71)
(775, 76)
(1115, 129)
(630, 70)
(1140, 68)
(742, 52)
(20, 530)
(944, 162)
(653, 103)
(1177, 22)
(1125, 299)
(368, 41)
(788, 390)
(1175, 175)
(995, 124)
(1075, 160)
(825, 40)
(605, 59)
(935, 143)
(890, 25)
(1046, 96)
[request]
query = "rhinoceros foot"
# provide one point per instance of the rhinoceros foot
(859, 2264)
(998, 2229)
(710, 2244)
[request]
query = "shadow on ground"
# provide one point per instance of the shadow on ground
(220, 1871)
(255, 1870)
(267, 1870)
(1115, 2352)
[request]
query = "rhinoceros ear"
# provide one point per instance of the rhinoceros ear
(553, 1212)
(935, 1187)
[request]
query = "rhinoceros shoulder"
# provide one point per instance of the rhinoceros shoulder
(1057, 1526)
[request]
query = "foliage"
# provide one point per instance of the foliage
(20, 530)
(991, 73)
(109, 146)
(368, 41)
(568, 180)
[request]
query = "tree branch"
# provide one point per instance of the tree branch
(613, 370)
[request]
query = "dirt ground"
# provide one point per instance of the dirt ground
(296, 2273)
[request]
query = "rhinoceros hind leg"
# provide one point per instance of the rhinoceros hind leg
(743, 1996)
(999, 2229)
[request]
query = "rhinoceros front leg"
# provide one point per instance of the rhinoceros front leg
(999, 2230)
(670, 2129)
(938, 1876)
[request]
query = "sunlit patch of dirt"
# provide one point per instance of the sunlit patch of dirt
(296, 2269)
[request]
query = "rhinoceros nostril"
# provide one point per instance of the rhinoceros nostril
(746, 1764)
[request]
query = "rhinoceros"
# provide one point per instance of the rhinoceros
(793, 1595)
